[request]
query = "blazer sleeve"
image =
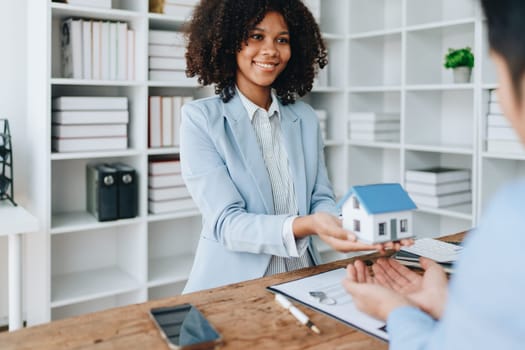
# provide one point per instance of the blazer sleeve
(225, 219)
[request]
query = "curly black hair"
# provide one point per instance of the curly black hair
(218, 28)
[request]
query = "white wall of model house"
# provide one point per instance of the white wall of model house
(369, 223)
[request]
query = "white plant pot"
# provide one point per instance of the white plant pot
(462, 75)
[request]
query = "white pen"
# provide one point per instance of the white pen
(298, 314)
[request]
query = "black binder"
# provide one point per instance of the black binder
(127, 191)
(102, 200)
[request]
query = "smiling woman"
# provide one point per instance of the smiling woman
(252, 157)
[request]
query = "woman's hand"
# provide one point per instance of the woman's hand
(330, 229)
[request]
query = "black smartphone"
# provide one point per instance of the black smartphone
(185, 327)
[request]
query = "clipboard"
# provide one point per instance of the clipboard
(344, 310)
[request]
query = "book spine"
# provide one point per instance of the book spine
(113, 44)
(95, 49)
(72, 49)
(131, 55)
(87, 42)
(155, 136)
(122, 42)
(105, 44)
(167, 121)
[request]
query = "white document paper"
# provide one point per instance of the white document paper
(343, 310)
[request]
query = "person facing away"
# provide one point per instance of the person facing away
(252, 156)
(483, 306)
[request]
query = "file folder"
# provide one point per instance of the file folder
(102, 200)
(127, 190)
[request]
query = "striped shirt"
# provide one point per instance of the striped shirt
(267, 126)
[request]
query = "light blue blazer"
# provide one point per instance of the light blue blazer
(224, 170)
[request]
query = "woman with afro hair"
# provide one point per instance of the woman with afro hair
(252, 156)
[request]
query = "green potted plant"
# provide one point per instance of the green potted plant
(462, 62)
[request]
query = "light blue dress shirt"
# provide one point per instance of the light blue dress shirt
(486, 302)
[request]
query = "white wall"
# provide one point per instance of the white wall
(13, 107)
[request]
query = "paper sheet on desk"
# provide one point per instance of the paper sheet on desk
(344, 310)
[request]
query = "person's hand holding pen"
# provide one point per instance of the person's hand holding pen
(298, 314)
(330, 229)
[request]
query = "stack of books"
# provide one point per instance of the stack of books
(439, 187)
(99, 50)
(166, 56)
(501, 137)
(373, 126)
(321, 115)
(86, 123)
(167, 191)
(164, 120)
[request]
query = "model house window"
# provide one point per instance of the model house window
(357, 226)
(356, 203)
(403, 225)
(382, 230)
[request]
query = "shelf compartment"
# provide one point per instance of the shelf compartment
(368, 165)
(99, 304)
(121, 10)
(136, 106)
(427, 48)
(462, 211)
(331, 20)
(68, 177)
(96, 264)
(78, 287)
(436, 225)
(335, 160)
(495, 174)
(374, 15)
(170, 269)
(375, 61)
(440, 118)
(429, 11)
(134, 21)
(160, 20)
(488, 68)
(384, 102)
(330, 103)
(332, 76)
(171, 247)
(165, 291)
(82, 221)
(426, 159)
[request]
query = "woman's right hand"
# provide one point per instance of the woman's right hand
(330, 229)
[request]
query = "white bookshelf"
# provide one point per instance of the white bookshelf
(78, 264)
(385, 56)
(393, 62)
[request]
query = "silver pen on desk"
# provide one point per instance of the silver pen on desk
(298, 314)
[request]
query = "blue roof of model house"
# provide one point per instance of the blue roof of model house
(381, 198)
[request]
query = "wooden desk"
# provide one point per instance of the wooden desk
(244, 313)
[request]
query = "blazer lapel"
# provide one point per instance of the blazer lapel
(244, 136)
(291, 128)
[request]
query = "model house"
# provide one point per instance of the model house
(378, 213)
